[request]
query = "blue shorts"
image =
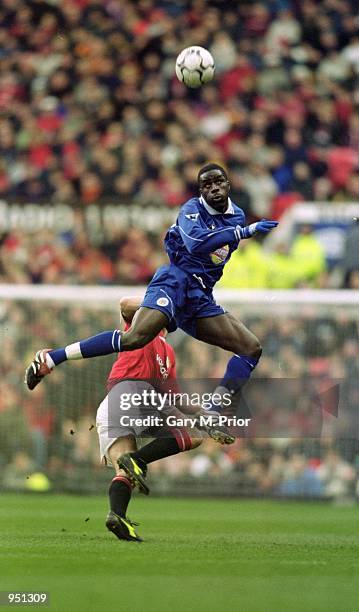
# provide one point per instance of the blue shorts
(181, 297)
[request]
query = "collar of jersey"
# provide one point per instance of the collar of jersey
(212, 211)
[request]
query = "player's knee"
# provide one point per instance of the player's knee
(255, 349)
(249, 346)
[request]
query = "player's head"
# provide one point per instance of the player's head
(214, 186)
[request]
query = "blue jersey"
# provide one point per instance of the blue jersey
(202, 240)
(199, 245)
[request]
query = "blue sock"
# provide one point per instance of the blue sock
(238, 371)
(104, 343)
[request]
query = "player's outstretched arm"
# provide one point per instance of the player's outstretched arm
(198, 239)
(260, 227)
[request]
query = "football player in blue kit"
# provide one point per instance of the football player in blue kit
(208, 229)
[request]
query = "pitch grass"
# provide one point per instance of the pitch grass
(199, 555)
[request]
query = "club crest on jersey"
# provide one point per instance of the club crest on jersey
(163, 301)
(220, 255)
(193, 216)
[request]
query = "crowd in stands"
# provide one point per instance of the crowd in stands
(272, 467)
(90, 111)
(131, 255)
(128, 257)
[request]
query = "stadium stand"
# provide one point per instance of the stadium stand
(90, 112)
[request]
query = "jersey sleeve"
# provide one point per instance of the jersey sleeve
(197, 238)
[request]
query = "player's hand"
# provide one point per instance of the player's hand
(264, 226)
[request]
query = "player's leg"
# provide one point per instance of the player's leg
(157, 311)
(114, 440)
(147, 324)
(227, 332)
(174, 441)
(120, 492)
(121, 487)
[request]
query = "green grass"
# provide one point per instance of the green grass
(199, 555)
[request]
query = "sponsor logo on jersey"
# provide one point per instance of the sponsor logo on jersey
(163, 369)
(163, 301)
(192, 216)
(220, 255)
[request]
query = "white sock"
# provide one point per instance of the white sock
(49, 362)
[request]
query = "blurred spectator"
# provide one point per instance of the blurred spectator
(247, 268)
(337, 476)
(283, 270)
(301, 181)
(17, 471)
(307, 255)
(341, 163)
(300, 480)
(261, 188)
(300, 265)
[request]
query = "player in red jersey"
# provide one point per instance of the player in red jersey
(151, 368)
(142, 373)
(156, 362)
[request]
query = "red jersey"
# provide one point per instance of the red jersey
(155, 362)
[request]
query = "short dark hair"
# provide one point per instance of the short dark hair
(209, 167)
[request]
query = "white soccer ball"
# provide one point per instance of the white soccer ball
(195, 66)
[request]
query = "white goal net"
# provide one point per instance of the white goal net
(51, 431)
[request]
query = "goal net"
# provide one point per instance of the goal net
(48, 437)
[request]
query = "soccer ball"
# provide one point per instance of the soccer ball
(195, 66)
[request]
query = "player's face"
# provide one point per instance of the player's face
(214, 187)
